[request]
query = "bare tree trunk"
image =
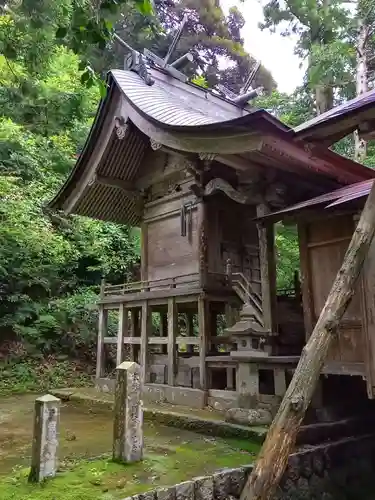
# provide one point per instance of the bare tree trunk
(281, 437)
(323, 98)
(323, 29)
(361, 83)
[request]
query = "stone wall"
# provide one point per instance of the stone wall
(221, 486)
(341, 470)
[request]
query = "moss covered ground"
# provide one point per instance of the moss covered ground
(172, 455)
(101, 479)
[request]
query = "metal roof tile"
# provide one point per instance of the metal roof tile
(334, 198)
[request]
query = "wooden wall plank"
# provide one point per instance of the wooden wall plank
(144, 252)
(322, 250)
(172, 347)
(146, 325)
(122, 332)
(169, 253)
(102, 330)
(203, 336)
(307, 300)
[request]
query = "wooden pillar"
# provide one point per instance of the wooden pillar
(164, 331)
(144, 252)
(203, 337)
(134, 332)
(145, 334)
(203, 246)
(122, 332)
(230, 315)
(307, 299)
(213, 347)
(189, 331)
(102, 330)
(172, 334)
(266, 237)
(230, 379)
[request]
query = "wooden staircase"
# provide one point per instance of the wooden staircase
(251, 314)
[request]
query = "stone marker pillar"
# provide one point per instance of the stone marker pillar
(45, 439)
(128, 414)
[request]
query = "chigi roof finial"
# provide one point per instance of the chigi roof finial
(245, 94)
(136, 62)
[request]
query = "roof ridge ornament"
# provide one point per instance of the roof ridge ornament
(172, 69)
(135, 61)
(246, 93)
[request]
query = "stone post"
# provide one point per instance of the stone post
(128, 414)
(45, 439)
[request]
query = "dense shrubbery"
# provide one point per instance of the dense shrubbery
(50, 265)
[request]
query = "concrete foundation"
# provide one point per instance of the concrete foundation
(185, 396)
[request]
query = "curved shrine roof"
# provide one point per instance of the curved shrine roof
(170, 103)
(190, 119)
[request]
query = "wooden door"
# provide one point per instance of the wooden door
(322, 253)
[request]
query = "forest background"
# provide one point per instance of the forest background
(53, 58)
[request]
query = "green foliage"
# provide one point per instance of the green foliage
(211, 37)
(31, 30)
(200, 81)
(40, 375)
(322, 29)
(287, 255)
(291, 109)
(50, 265)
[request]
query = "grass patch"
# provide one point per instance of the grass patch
(103, 479)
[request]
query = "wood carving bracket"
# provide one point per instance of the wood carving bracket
(220, 185)
(121, 127)
(155, 145)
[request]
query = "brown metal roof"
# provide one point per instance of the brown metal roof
(340, 121)
(185, 118)
(334, 198)
(172, 104)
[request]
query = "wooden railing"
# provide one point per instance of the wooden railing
(164, 340)
(186, 280)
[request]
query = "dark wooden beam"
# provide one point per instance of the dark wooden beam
(126, 186)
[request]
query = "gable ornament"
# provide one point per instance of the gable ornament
(121, 127)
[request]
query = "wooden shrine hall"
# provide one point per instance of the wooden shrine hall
(194, 168)
(325, 227)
